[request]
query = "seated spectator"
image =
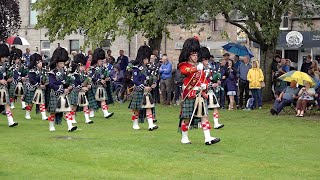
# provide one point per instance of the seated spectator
(288, 95)
(306, 96)
(115, 77)
(291, 68)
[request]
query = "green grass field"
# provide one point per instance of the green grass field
(254, 145)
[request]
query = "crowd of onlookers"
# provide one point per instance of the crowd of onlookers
(300, 97)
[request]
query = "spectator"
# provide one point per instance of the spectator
(282, 69)
(255, 78)
(243, 82)
(165, 79)
(237, 62)
(275, 63)
(154, 69)
(231, 83)
(26, 56)
(123, 61)
(274, 68)
(306, 65)
(110, 58)
(288, 95)
(306, 96)
(313, 71)
(178, 80)
(45, 58)
(288, 63)
(88, 63)
(226, 57)
(89, 53)
(223, 70)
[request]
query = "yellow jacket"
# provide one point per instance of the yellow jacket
(255, 77)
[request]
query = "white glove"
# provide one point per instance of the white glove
(203, 86)
(200, 67)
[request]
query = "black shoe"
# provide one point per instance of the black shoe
(208, 143)
(73, 129)
(3, 113)
(155, 120)
(154, 128)
(14, 124)
(216, 140)
(91, 122)
(109, 116)
(220, 127)
(272, 111)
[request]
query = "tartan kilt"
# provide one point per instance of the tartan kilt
(28, 96)
(74, 98)
(136, 101)
(93, 104)
(53, 101)
(11, 90)
(188, 107)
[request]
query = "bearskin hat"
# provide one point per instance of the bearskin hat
(191, 45)
(59, 55)
(15, 54)
(98, 54)
(204, 53)
(78, 59)
(4, 50)
(34, 58)
(144, 52)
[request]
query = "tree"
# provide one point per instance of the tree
(100, 19)
(9, 18)
(261, 21)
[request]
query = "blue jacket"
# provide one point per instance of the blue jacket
(166, 70)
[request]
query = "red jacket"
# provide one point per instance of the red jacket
(192, 81)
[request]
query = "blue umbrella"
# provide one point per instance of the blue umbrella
(238, 49)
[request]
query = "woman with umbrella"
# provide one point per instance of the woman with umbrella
(306, 96)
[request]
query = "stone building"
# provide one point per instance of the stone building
(37, 38)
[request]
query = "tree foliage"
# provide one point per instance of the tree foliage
(100, 19)
(9, 18)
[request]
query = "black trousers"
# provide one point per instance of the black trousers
(243, 88)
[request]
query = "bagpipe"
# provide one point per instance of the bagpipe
(63, 104)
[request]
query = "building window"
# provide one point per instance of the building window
(45, 47)
(74, 46)
(285, 21)
(33, 14)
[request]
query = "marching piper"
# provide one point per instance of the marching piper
(82, 84)
(59, 89)
(194, 91)
(35, 91)
(18, 72)
(144, 83)
(4, 80)
(100, 76)
(213, 103)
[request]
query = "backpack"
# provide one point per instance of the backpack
(250, 103)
